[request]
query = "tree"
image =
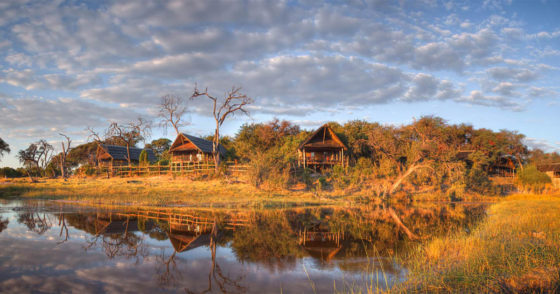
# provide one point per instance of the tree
(159, 146)
(129, 134)
(37, 156)
(233, 102)
(64, 154)
(143, 158)
(171, 111)
(403, 151)
(4, 147)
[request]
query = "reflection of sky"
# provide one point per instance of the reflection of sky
(32, 262)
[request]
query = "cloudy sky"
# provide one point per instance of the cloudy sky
(66, 65)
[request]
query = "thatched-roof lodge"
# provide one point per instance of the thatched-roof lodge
(189, 149)
(553, 171)
(184, 241)
(322, 148)
(112, 155)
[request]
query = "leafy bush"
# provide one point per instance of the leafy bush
(530, 179)
(8, 172)
(163, 162)
(477, 181)
(143, 158)
(87, 170)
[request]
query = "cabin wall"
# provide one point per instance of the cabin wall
(319, 157)
(190, 156)
(114, 163)
(555, 177)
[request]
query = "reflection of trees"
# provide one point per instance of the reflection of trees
(268, 239)
(3, 224)
(35, 222)
(120, 241)
(166, 270)
(355, 239)
(223, 281)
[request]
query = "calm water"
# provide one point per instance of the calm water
(57, 247)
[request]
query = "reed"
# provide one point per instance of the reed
(515, 249)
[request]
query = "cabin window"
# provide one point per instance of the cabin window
(312, 154)
(190, 157)
(199, 157)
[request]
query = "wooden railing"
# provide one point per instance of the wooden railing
(172, 169)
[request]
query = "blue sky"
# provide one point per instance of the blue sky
(67, 65)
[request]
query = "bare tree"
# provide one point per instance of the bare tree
(129, 134)
(64, 154)
(4, 147)
(233, 102)
(38, 155)
(93, 135)
(171, 111)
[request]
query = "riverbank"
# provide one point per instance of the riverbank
(180, 191)
(514, 250)
(167, 191)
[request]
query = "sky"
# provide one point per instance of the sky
(68, 65)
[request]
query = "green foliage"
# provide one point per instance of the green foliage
(159, 146)
(143, 158)
(477, 181)
(4, 147)
(163, 162)
(8, 172)
(531, 179)
(82, 154)
(87, 170)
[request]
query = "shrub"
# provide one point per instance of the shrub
(143, 158)
(87, 170)
(8, 172)
(477, 181)
(530, 179)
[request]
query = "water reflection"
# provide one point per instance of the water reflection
(227, 251)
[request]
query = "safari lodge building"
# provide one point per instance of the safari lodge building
(322, 149)
(188, 150)
(110, 156)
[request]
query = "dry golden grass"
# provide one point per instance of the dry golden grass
(516, 250)
(162, 191)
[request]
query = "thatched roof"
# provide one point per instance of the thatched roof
(183, 242)
(323, 137)
(120, 153)
(555, 167)
(203, 145)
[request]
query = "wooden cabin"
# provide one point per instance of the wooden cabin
(190, 149)
(112, 155)
(184, 241)
(321, 149)
(553, 171)
(504, 167)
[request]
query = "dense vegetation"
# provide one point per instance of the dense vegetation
(426, 156)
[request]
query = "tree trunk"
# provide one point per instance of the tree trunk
(397, 220)
(408, 172)
(128, 159)
(62, 169)
(216, 149)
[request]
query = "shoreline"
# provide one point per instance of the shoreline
(177, 192)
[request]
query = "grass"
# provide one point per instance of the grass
(516, 249)
(162, 191)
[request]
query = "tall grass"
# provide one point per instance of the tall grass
(162, 191)
(516, 249)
